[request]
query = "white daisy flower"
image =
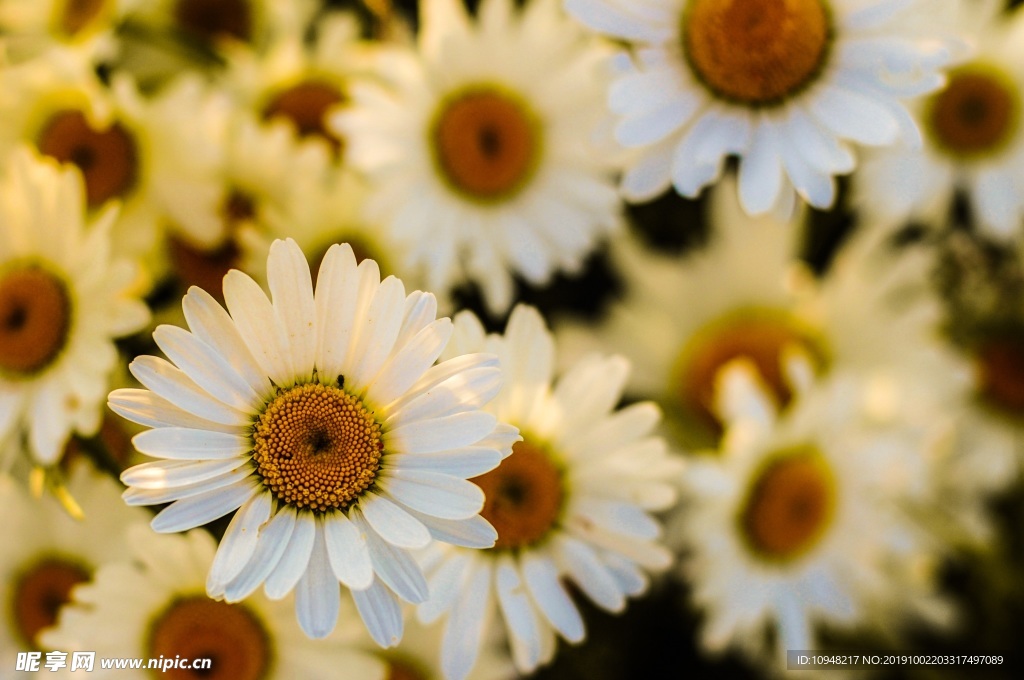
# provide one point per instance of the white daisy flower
(320, 418)
(872, 312)
(150, 602)
(63, 300)
(798, 522)
(31, 27)
(786, 86)
(481, 149)
(571, 502)
(973, 138)
(47, 552)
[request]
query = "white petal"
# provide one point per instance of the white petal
(239, 542)
(291, 288)
(436, 495)
(586, 570)
(163, 474)
(401, 372)
(854, 116)
(468, 390)
(206, 367)
(440, 434)
(445, 586)
(181, 443)
(136, 496)
(475, 532)
(381, 613)
(378, 332)
(258, 326)
(464, 632)
(392, 523)
(189, 513)
(550, 597)
(150, 409)
(524, 628)
(317, 595)
(173, 385)
(273, 541)
(346, 548)
(393, 565)
(295, 559)
(761, 171)
(336, 299)
(467, 462)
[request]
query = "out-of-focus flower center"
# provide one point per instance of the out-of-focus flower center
(305, 105)
(999, 365)
(40, 592)
(524, 496)
(206, 268)
(790, 504)
(214, 19)
(35, 317)
(761, 335)
(486, 143)
(405, 670)
(976, 113)
(107, 158)
(756, 52)
(229, 635)
(74, 15)
(317, 447)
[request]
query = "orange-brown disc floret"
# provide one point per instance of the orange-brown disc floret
(523, 496)
(35, 318)
(306, 105)
(999, 366)
(40, 592)
(789, 505)
(193, 628)
(756, 52)
(486, 143)
(107, 157)
(976, 113)
(317, 447)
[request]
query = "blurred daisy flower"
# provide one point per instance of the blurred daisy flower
(63, 301)
(571, 502)
(973, 137)
(872, 311)
(481, 148)
(47, 552)
(150, 602)
(797, 522)
(322, 420)
(786, 86)
(31, 27)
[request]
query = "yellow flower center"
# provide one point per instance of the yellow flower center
(35, 317)
(486, 143)
(756, 52)
(790, 504)
(975, 114)
(73, 16)
(229, 635)
(317, 447)
(40, 592)
(214, 19)
(524, 496)
(999, 367)
(305, 105)
(760, 335)
(107, 158)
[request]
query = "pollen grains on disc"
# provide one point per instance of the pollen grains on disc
(976, 114)
(789, 505)
(486, 143)
(215, 19)
(317, 447)
(39, 593)
(523, 496)
(72, 16)
(107, 157)
(999, 370)
(306, 104)
(756, 52)
(761, 335)
(35, 319)
(229, 635)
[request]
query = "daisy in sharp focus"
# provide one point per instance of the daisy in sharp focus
(480, 146)
(973, 137)
(572, 502)
(799, 522)
(47, 552)
(63, 301)
(150, 602)
(322, 420)
(788, 86)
